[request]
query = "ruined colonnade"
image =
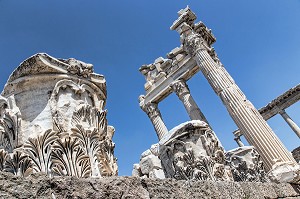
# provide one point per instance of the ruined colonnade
(196, 53)
(278, 106)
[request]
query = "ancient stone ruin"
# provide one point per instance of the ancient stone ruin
(192, 150)
(53, 120)
(55, 133)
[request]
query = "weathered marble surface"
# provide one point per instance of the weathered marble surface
(191, 151)
(245, 165)
(149, 165)
(52, 120)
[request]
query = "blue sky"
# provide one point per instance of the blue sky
(257, 41)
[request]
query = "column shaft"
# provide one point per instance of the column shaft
(290, 122)
(256, 130)
(239, 141)
(183, 92)
(154, 115)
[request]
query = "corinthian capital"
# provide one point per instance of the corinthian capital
(192, 41)
(193, 36)
(180, 87)
(151, 109)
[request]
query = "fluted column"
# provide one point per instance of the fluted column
(183, 92)
(257, 132)
(290, 122)
(153, 113)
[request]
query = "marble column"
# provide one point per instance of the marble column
(290, 122)
(151, 109)
(183, 92)
(239, 141)
(256, 130)
(237, 137)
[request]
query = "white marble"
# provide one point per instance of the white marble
(50, 106)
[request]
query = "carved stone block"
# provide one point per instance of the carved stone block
(245, 165)
(191, 151)
(150, 163)
(52, 118)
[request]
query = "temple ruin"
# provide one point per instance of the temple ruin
(56, 141)
(53, 120)
(167, 75)
(278, 106)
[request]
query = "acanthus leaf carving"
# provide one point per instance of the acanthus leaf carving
(192, 41)
(3, 156)
(71, 108)
(193, 152)
(107, 162)
(180, 87)
(90, 141)
(245, 165)
(151, 109)
(39, 150)
(18, 163)
(9, 124)
(70, 159)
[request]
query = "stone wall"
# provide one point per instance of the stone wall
(41, 186)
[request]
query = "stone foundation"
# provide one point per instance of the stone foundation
(41, 186)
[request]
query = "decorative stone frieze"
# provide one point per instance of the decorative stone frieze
(281, 102)
(52, 120)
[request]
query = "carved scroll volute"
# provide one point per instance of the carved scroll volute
(151, 109)
(84, 103)
(180, 88)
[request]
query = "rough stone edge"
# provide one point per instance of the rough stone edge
(41, 186)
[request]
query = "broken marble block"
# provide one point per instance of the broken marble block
(191, 151)
(245, 165)
(136, 172)
(53, 120)
(150, 164)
